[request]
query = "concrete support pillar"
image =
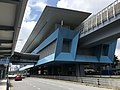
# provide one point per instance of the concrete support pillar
(63, 70)
(1, 73)
(80, 70)
(31, 71)
(36, 69)
(42, 70)
(52, 70)
(49, 71)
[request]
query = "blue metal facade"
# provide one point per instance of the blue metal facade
(103, 53)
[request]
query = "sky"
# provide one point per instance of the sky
(35, 8)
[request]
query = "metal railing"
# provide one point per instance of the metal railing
(101, 17)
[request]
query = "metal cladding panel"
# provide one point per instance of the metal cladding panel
(92, 59)
(86, 58)
(4, 62)
(46, 42)
(111, 52)
(11, 15)
(6, 45)
(7, 14)
(5, 50)
(45, 60)
(105, 59)
(6, 35)
(26, 67)
(26, 56)
(66, 34)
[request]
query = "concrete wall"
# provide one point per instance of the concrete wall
(103, 82)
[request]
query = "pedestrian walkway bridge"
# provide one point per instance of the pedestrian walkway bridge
(106, 16)
(102, 27)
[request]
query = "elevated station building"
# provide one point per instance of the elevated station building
(66, 40)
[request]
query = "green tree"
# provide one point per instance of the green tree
(115, 61)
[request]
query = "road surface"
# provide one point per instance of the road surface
(49, 84)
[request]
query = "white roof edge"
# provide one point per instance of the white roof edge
(18, 22)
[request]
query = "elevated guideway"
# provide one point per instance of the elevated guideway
(102, 27)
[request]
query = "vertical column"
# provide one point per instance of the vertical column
(4, 73)
(42, 70)
(80, 70)
(52, 70)
(63, 70)
(1, 74)
(36, 71)
(31, 71)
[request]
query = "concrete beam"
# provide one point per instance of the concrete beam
(80, 70)
(1, 53)
(6, 28)
(6, 41)
(10, 1)
(4, 48)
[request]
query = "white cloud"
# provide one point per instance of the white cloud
(93, 6)
(29, 21)
(27, 13)
(26, 29)
(38, 4)
(117, 52)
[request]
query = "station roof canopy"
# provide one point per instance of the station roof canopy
(27, 58)
(46, 24)
(11, 15)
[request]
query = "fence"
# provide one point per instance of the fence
(108, 13)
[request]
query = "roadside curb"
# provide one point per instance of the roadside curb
(10, 85)
(3, 84)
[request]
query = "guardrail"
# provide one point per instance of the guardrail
(104, 82)
(101, 17)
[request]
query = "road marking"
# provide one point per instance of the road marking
(34, 86)
(56, 85)
(38, 88)
(30, 84)
(70, 88)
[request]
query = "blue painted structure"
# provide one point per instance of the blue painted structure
(60, 34)
(63, 37)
